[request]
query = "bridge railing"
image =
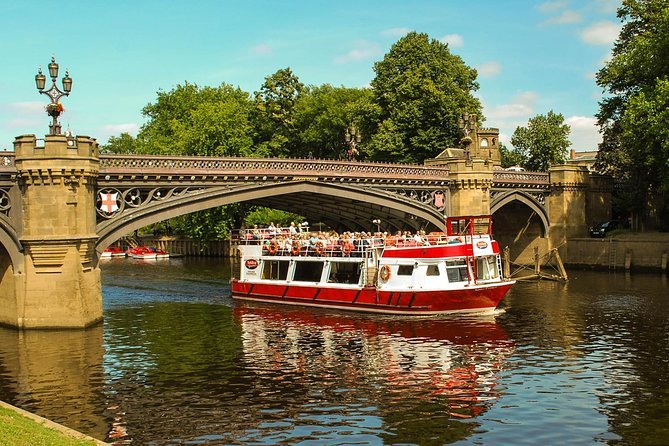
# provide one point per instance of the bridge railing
(269, 166)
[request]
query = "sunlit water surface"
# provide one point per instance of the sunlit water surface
(177, 362)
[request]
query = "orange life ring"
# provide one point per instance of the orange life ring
(295, 250)
(320, 247)
(273, 247)
(347, 248)
(385, 274)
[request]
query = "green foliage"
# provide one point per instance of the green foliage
(190, 120)
(633, 115)
(263, 216)
(122, 144)
(421, 90)
(543, 142)
(511, 157)
(274, 113)
(322, 115)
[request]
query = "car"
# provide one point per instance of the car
(600, 230)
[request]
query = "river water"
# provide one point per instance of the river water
(177, 362)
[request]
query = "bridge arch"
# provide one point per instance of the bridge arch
(523, 197)
(349, 205)
(11, 243)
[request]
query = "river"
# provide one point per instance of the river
(177, 362)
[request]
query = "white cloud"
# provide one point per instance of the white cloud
(601, 33)
(584, 132)
(363, 51)
(607, 6)
(117, 129)
(396, 32)
(514, 114)
(552, 6)
(567, 17)
(489, 69)
(453, 40)
(27, 108)
(261, 49)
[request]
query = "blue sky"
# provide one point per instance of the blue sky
(532, 56)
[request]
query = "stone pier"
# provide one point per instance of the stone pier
(56, 283)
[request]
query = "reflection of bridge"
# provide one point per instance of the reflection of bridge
(52, 228)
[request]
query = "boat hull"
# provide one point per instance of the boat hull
(473, 299)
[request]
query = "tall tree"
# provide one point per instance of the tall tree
(633, 115)
(190, 120)
(511, 157)
(322, 115)
(543, 142)
(274, 113)
(422, 89)
(122, 144)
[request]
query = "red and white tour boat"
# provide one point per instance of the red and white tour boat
(456, 271)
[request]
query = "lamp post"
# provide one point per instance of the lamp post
(377, 222)
(466, 124)
(352, 136)
(54, 108)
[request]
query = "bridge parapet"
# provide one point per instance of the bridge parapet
(175, 166)
(505, 178)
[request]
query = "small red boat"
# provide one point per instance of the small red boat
(144, 252)
(459, 271)
(112, 251)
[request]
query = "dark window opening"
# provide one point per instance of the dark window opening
(308, 271)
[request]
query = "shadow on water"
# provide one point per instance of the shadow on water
(177, 362)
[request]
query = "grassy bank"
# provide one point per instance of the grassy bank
(19, 430)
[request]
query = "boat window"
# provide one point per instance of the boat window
(486, 268)
(405, 270)
(432, 270)
(308, 271)
(275, 269)
(344, 272)
(456, 270)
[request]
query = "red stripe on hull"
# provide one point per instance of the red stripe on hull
(367, 299)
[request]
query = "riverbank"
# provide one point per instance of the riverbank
(622, 250)
(21, 428)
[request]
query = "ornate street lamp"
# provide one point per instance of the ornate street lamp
(352, 137)
(54, 108)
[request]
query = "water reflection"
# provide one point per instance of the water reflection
(57, 374)
(417, 375)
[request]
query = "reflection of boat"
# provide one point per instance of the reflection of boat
(112, 251)
(144, 252)
(455, 358)
(459, 271)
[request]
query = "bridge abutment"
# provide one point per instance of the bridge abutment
(567, 203)
(59, 284)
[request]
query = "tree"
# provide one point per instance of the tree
(632, 116)
(190, 120)
(543, 142)
(122, 144)
(421, 89)
(511, 157)
(274, 113)
(322, 115)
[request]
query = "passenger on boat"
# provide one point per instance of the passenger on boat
(292, 229)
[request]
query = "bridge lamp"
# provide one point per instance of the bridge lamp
(54, 108)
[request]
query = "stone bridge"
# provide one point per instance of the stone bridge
(62, 204)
